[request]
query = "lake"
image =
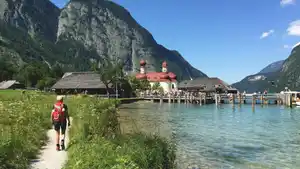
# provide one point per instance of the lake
(223, 136)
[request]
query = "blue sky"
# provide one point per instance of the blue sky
(228, 39)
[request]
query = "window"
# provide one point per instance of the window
(173, 86)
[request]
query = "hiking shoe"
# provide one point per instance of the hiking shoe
(62, 144)
(57, 147)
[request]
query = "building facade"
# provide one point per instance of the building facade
(167, 80)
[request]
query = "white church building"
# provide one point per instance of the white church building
(167, 80)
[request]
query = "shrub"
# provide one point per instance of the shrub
(96, 141)
(24, 119)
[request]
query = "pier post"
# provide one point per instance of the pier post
(287, 96)
(216, 99)
(266, 100)
(233, 99)
(290, 100)
(261, 99)
(284, 99)
(161, 99)
(205, 99)
(179, 99)
(253, 100)
(201, 97)
(169, 100)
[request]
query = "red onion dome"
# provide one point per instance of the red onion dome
(141, 76)
(172, 75)
(142, 62)
(164, 64)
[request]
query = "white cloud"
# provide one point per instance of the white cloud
(286, 46)
(287, 2)
(266, 34)
(294, 28)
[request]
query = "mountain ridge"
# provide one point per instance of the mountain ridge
(284, 73)
(273, 67)
(84, 32)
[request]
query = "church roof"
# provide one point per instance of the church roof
(157, 76)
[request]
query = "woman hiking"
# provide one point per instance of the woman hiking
(59, 117)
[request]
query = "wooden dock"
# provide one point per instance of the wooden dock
(276, 98)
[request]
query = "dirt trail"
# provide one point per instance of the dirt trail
(49, 158)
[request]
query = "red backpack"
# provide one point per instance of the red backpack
(57, 114)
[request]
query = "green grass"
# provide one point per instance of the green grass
(96, 141)
(24, 119)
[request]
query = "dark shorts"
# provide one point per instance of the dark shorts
(60, 126)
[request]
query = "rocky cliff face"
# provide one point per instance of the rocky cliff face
(37, 17)
(290, 73)
(273, 67)
(82, 32)
(111, 30)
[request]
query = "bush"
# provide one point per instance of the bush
(24, 119)
(96, 141)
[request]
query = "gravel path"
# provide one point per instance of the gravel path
(49, 158)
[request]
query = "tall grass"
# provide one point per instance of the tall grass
(96, 141)
(24, 119)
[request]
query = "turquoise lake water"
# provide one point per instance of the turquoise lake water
(225, 136)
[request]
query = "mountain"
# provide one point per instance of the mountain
(81, 33)
(290, 74)
(264, 79)
(273, 67)
(37, 17)
(275, 76)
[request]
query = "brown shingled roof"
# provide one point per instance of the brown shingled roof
(209, 84)
(79, 80)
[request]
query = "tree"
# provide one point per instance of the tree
(33, 72)
(145, 84)
(155, 86)
(7, 69)
(57, 71)
(36, 74)
(110, 72)
(45, 82)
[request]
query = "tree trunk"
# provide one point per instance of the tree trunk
(107, 90)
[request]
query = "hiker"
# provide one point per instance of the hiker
(59, 117)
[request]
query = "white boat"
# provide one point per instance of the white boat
(297, 103)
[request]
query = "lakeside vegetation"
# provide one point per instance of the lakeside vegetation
(24, 120)
(95, 138)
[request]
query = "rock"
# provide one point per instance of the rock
(111, 30)
(37, 17)
(83, 32)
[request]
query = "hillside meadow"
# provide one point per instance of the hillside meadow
(95, 137)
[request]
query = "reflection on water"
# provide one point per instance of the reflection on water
(225, 136)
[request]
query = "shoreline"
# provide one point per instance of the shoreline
(103, 134)
(94, 131)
